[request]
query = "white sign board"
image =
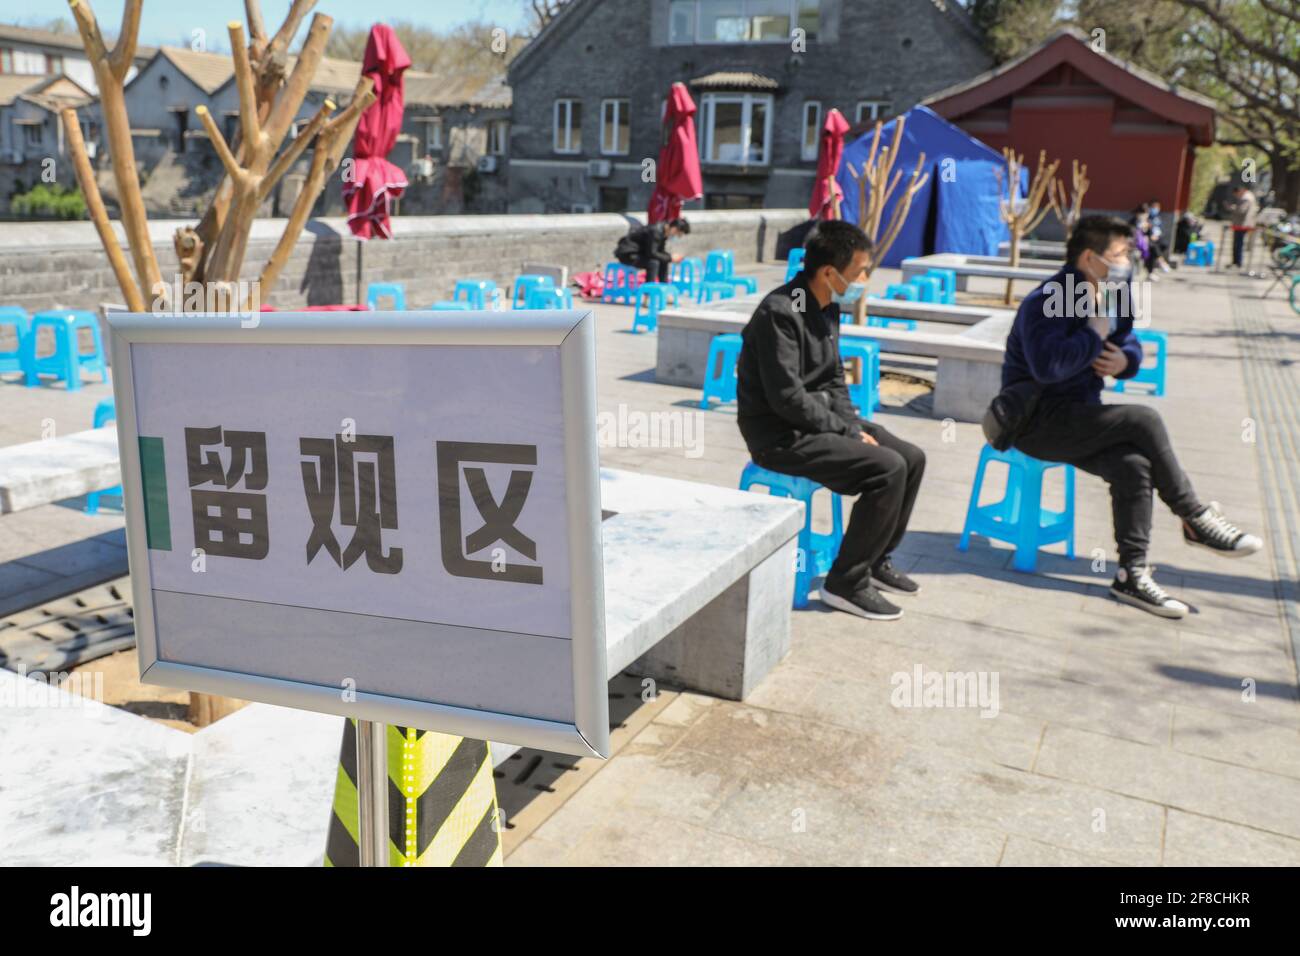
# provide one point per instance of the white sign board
(390, 516)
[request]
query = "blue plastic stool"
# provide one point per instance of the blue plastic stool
(1199, 254)
(816, 551)
(549, 299)
(794, 263)
(526, 284)
(719, 264)
(1153, 375)
(720, 372)
(105, 412)
(715, 290)
(687, 275)
(620, 283)
(866, 393)
(1019, 518)
(886, 321)
(928, 289)
(901, 290)
(378, 290)
(68, 361)
(479, 293)
(446, 305)
(650, 298)
(17, 319)
(948, 282)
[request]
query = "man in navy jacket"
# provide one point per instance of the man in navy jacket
(1069, 333)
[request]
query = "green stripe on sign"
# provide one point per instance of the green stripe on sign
(153, 475)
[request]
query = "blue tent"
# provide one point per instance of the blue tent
(957, 209)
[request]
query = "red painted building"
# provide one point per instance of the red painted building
(1136, 132)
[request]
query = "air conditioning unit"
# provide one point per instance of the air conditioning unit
(16, 156)
(583, 208)
(599, 168)
(422, 169)
(487, 164)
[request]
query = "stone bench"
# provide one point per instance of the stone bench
(1038, 248)
(969, 371)
(987, 267)
(41, 472)
(698, 585)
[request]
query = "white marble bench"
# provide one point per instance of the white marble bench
(41, 472)
(987, 267)
(969, 369)
(1038, 248)
(698, 585)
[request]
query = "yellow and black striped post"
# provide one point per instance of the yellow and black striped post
(442, 801)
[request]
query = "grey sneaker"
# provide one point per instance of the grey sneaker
(1135, 585)
(1212, 531)
(865, 602)
(888, 578)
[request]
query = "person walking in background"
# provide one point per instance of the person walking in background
(646, 247)
(796, 418)
(1242, 214)
(1066, 342)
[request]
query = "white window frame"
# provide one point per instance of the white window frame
(809, 153)
(877, 108)
(622, 107)
(433, 133)
(573, 143)
(697, 38)
(498, 137)
(710, 102)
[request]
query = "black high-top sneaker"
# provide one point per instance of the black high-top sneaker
(1212, 531)
(1134, 585)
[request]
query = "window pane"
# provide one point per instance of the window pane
(575, 126)
(682, 21)
(812, 115)
(722, 21)
(727, 138)
(624, 131)
(758, 132)
(769, 19)
(810, 19)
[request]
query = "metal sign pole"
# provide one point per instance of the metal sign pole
(372, 792)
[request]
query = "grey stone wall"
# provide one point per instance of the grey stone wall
(61, 265)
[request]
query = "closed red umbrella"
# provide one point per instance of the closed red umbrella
(678, 178)
(376, 182)
(826, 192)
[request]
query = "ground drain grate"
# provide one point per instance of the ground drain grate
(533, 784)
(76, 629)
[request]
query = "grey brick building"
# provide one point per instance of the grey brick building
(589, 91)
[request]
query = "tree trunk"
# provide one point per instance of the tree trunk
(1015, 261)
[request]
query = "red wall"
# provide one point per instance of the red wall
(1131, 154)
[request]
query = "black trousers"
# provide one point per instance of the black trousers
(656, 270)
(1238, 246)
(1129, 448)
(885, 477)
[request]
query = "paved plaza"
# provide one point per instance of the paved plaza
(1113, 737)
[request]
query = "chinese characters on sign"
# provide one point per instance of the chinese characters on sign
(355, 479)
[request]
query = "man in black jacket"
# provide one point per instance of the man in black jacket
(646, 247)
(796, 418)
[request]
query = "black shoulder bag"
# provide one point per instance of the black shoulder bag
(1010, 412)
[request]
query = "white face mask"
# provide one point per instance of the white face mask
(1116, 271)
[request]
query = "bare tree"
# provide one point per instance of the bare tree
(544, 11)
